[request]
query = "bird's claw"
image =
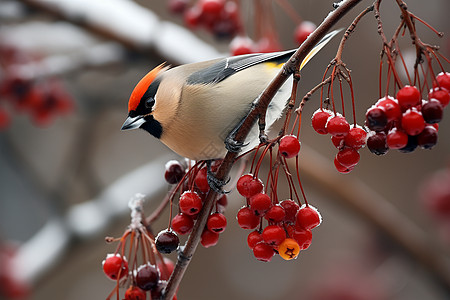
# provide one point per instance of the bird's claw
(214, 183)
(234, 146)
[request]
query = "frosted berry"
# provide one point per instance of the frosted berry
(290, 209)
(302, 236)
(275, 214)
(289, 249)
(167, 241)
(165, 268)
(211, 7)
(289, 146)
(428, 138)
(182, 224)
(147, 277)
(377, 144)
(319, 121)
(209, 238)
(408, 96)
(273, 235)
(390, 107)
(413, 122)
(340, 168)
(263, 252)
(348, 157)
(303, 30)
(432, 111)
(135, 293)
(440, 94)
(338, 141)
(247, 219)
(443, 79)
(254, 238)
(248, 186)
(174, 172)
(115, 267)
(396, 139)
(376, 119)
(356, 138)
(190, 203)
(241, 45)
(308, 217)
(337, 126)
(201, 180)
(217, 223)
(260, 203)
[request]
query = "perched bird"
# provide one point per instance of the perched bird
(193, 108)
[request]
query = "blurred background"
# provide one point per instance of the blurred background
(67, 172)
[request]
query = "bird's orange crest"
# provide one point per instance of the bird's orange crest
(143, 85)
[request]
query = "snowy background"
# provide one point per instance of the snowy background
(65, 186)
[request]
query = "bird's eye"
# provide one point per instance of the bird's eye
(149, 103)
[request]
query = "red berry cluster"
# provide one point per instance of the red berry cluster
(189, 204)
(408, 121)
(347, 139)
(288, 229)
(43, 99)
(220, 17)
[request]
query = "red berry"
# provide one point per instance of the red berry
(260, 203)
(435, 194)
(115, 267)
(254, 238)
(223, 200)
(337, 126)
(135, 293)
(201, 180)
(192, 17)
(247, 219)
(396, 139)
(190, 203)
(340, 168)
(177, 6)
(302, 31)
(209, 238)
(376, 119)
(432, 111)
(348, 157)
(338, 141)
(165, 268)
(273, 235)
(427, 139)
(167, 241)
(241, 45)
(147, 277)
(289, 146)
(5, 119)
(290, 209)
(308, 217)
(376, 142)
(441, 94)
(182, 224)
(443, 79)
(248, 186)
(413, 122)
(356, 138)
(302, 236)
(319, 120)
(211, 7)
(263, 252)
(217, 223)
(390, 107)
(275, 214)
(174, 172)
(408, 96)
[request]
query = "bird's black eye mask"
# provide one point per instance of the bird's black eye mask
(147, 101)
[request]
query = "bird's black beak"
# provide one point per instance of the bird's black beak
(133, 123)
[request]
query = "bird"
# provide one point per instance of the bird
(194, 108)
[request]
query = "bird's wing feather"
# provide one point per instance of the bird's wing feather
(224, 68)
